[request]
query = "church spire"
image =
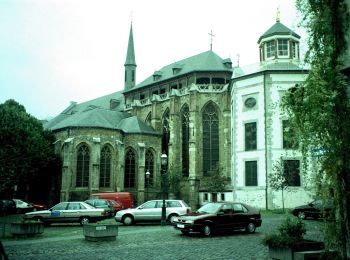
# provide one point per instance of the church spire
(130, 63)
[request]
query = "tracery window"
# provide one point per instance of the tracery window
(210, 123)
(165, 131)
(149, 119)
(130, 169)
(83, 163)
(105, 167)
(149, 166)
(185, 136)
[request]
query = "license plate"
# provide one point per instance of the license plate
(180, 226)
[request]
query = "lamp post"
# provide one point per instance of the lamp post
(164, 161)
(147, 183)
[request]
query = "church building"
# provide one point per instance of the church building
(208, 117)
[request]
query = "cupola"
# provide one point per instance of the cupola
(279, 44)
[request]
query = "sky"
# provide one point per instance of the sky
(53, 52)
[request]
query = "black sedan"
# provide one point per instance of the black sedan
(315, 209)
(219, 216)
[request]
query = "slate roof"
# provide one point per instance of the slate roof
(257, 67)
(278, 29)
(133, 125)
(206, 61)
(96, 114)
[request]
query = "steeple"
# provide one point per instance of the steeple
(130, 63)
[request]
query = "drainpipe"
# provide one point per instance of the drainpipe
(265, 118)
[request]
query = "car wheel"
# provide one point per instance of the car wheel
(128, 220)
(84, 220)
(250, 228)
(207, 231)
(301, 215)
(171, 218)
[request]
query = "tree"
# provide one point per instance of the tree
(216, 181)
(26, 149)
(277, 180)
(319, 109)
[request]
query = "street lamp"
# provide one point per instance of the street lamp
(147, 183)
(163, 161)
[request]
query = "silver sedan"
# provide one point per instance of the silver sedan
(152, 211)
(74, 211)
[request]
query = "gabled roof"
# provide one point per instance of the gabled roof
(206, 61)
(278, 29)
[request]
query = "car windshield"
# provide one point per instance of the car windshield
(209, 208)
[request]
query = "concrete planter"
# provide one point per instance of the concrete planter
(27, 228)
(296, 251)
(99, 232)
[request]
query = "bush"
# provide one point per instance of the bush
(290, 232)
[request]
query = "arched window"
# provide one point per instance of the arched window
(210, 122)
(185, 136)
(149, 119)
(105, 167)
(149, 166)
(165, 131)
(130, 169)
(83, 163)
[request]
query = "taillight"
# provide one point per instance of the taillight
(188, 210)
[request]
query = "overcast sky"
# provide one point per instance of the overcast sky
(56, 51)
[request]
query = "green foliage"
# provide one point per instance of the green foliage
(319, 109)
(290, 232)
(25, 147)
(216, 181)
(174, 178)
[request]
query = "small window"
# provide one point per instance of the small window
(270, 49)
(282, 47)
(203, 81)
(250, 102)
(292, 172)
(251, 174)
(173, 204)
(205, 196)
(250, 136)
(222, 196)
(149, 205)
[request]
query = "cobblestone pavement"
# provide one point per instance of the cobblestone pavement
(147, 242)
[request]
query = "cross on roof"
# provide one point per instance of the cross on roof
(211, 39)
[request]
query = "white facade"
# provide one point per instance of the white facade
(257, 119)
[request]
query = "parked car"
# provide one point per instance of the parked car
(152, 211)
(102, 204)
(73, 211)
(22, 207)
(315, 209)
(38, 206)
(219, 216)
(126, 199)
(116, 205)
(7, 207)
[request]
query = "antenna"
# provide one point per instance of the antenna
(238, 59)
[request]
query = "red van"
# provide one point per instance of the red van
(124, 198)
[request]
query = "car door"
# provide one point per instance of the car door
(147, 211)
(239, 216)
(57, 212)
(73, 212)
(224, 217)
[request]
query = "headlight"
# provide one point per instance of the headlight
(189, 221)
